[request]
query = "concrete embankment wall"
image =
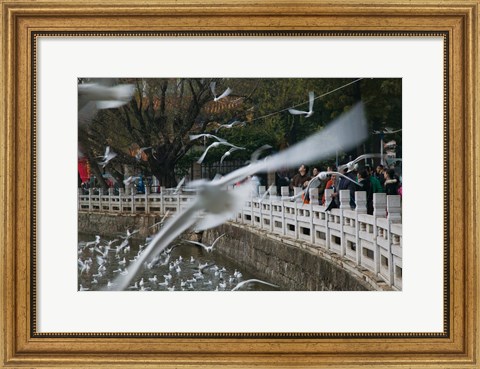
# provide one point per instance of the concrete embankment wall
(111, 224)
(291, 264)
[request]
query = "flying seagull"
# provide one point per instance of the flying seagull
(351, 164)
(229, 152)
(95, 96)
(207, 248)
(231, 125)
(308, 113)
(109, 155)
(227, 92)
(216, 144)
(248, 281)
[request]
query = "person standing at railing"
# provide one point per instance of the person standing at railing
(140, 185)
(332, 185)
(392, 182)
(345, 184)
(364, 181)
(300, 179)
(374, 182)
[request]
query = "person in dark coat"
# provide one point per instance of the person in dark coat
(364, 181)
(392, 182)
(300, 179)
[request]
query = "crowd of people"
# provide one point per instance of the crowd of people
(380, 180)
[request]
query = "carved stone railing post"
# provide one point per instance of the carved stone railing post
(121, 192)
(110, 194)
(313, 195)
(273, 191)
(379, 205)
(328, 197)
(379, 211)
(261, 190)
(394, 208)
(394, 215)
(361, 208)
(296, 192)
(147, 196)
(344, 199)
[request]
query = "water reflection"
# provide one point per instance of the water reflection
(186, 267)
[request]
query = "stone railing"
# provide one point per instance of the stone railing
(134, 203)
(371, 242)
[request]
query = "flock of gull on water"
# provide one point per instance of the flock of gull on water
(100, 262)
(215, 202)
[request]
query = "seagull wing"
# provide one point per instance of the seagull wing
(310, 102)
(194, 137)
(180, 184)
(361, 157)
(297, 112)
(172, 229)
(241, 284)
(220, 205)
(214, 242)
(227, 92)
(212, 88)
(224, 156)
(200, 159)
(232, 145)
(197, 243)
(256, 154)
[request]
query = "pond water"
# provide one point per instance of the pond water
(178, 271)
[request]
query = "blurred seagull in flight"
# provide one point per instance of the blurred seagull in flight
(248, 281)
(216, 144)
(229, 152)
(109, 155)
(179, 186)
(206, 135)
(163, 219)
(231, 125)
(207, 248)
(129, 180)
(310, 107)
(216, 204)
(351, 164)
(227, 92)
(140, 151)
(95, 96)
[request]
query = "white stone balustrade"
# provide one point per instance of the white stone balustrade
(372, 242)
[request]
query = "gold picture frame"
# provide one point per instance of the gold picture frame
(457, 347)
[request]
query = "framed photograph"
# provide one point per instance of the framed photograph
(234, 185)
